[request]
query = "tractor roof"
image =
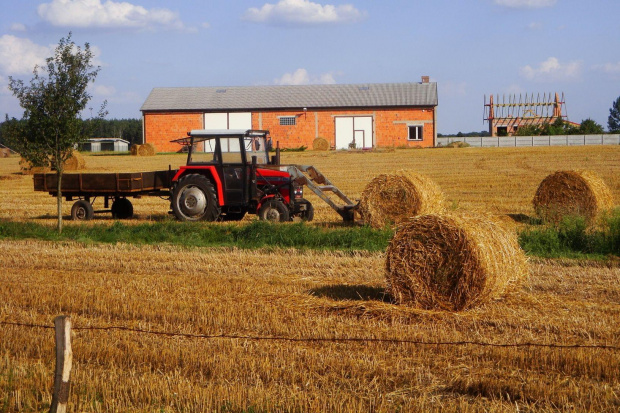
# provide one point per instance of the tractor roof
(200, 135)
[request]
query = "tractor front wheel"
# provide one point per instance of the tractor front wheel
(194, 199)
(274, 210)
(308, 213)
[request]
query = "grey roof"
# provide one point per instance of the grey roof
(283, 97)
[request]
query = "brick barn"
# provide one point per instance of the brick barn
(360, 116)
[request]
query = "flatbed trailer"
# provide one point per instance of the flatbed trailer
(87, 187)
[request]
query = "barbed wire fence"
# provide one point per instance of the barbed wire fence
(64, 356)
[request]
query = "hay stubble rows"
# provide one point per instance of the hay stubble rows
(306, 294)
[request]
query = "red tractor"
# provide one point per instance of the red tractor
(229, 173)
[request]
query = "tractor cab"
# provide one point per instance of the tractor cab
(229, 173)
(227, 147)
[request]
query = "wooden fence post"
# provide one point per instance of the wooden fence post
(64, 358)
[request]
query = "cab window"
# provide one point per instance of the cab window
(204, 152)
(256, 146)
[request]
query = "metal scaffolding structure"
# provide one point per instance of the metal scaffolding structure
(515, 112)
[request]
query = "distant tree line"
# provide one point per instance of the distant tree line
(127, 129)
(482, 133)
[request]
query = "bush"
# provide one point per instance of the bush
(528, 130)
(298, 149)
(455, 144)
(571, 237)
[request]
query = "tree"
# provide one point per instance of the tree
(128, 129)
(52, 102)
(590, 127)
(528, 130)
(613, 122)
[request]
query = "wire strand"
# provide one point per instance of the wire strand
(328, 339)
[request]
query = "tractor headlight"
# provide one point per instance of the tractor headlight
(299, 192)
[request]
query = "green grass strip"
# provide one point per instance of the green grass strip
(257, 234)
(571, 239)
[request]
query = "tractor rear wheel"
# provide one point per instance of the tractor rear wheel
(194, 199)
(274, 210)
(122, 208)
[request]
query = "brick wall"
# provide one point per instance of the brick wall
(161, 128)
(390, 126)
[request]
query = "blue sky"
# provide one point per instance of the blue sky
(471, 48)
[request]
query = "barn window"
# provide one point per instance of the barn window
(415, 133)
(288, 120)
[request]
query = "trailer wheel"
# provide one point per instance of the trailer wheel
(308, 213)
(122, 208)
(82, 210)
(274, 211)
(194, 199)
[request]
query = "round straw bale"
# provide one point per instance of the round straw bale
(452, 262)
(38, 170)
(26, 167)
(143, 150)
(75, 162)
(134, 150)
(320, 144)
(565, 193)
(4, 152)
(150, 149)
(392, 198)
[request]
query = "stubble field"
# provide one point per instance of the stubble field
(295, 294)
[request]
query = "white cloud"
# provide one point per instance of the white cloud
(17, 27)
(103, 90)
(535, 26)
(96, 56)
(525, 4)
(19, 56)
(302, 77)
(609, 68)
(326, 79)
(514, 89)
(111, 14)
(552, 70)
(303, 12)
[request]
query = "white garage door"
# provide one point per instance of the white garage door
(216, 120)
(226, 120)
(353, 129)
(240, 120)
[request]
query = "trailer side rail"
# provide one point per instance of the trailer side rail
(129, 183)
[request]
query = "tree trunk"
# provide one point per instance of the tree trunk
(59, 197)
